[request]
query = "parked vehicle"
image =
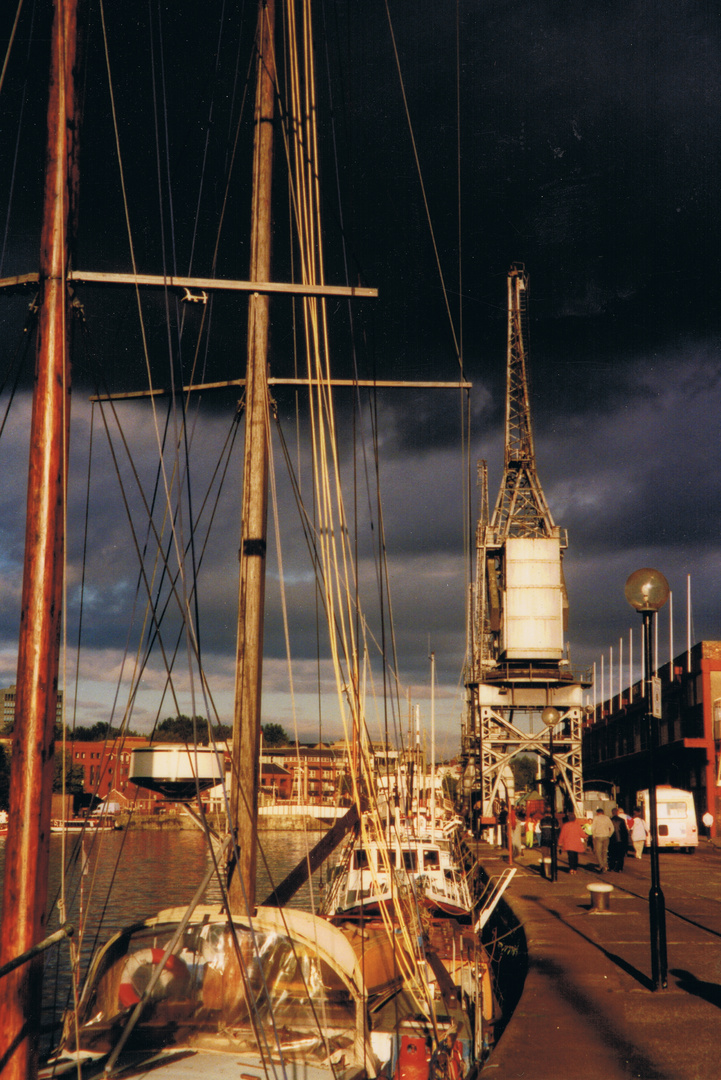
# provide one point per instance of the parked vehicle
(599, 793)
(676, 814)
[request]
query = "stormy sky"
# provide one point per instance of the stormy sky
(585, 142)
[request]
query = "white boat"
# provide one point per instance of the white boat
(321, 812)
(79, 826)
(234, 988)
(380, 863)
(407, 844)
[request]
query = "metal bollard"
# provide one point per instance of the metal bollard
(546, 868)
(600, 897)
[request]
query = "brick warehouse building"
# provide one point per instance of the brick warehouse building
(106, 767)
(615, 743)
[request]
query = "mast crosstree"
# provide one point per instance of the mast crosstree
(518, 659)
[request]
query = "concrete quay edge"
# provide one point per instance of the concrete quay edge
(587, 1010)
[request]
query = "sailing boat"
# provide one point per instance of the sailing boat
(409, 842)
(214, 988)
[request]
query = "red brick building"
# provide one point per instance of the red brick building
(615, 742)
(106, 768)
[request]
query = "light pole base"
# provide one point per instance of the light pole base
(657, 922)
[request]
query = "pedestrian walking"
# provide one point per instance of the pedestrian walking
(601, 831)
(501, 823)
(572, 840)
(548, 824)
(639, 832)
(618, 843)
(517, 837)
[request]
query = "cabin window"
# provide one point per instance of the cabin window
(361, 859)
(431, 859)
(410, 861)
(385, 859)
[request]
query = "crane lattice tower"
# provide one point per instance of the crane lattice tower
(518, 660)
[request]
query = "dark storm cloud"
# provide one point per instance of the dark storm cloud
(590, 150)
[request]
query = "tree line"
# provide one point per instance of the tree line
(173, 729)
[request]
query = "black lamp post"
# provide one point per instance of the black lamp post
(550, 717)
(647, 591)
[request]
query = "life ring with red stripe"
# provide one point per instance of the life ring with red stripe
(138, 970)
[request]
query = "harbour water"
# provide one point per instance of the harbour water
(114, 879)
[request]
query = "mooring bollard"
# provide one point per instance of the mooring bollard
(600, 896)
(546, 868)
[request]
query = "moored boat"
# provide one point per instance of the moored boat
(80, 825)
(211, 989)
(381, 861)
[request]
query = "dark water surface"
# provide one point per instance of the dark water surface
(132, 875)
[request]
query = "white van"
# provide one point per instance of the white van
(676, 814)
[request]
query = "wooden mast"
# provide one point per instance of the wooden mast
(28, 846)
(254, 514)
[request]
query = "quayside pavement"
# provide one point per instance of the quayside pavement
(587, 1011)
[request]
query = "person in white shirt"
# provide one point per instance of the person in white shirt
(639, 832)
(601, 832)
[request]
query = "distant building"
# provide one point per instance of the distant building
(106, 768)
(7, 707)
(615, 741)
(315, 771)
(275, 781)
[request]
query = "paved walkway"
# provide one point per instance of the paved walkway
(587, 1011)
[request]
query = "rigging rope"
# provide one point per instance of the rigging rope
(10, 43)
(336, 558)
(423, 192)
(11, 186)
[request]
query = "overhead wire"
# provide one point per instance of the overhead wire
(13, 174)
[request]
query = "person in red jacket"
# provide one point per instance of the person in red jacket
(572, 840)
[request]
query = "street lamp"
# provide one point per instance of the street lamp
(550, 717)
(647, 591)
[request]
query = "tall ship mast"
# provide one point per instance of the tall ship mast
(222, 983)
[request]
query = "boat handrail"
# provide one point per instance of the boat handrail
(65, 931)
(494, 891)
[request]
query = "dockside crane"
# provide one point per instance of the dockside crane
(518, 663)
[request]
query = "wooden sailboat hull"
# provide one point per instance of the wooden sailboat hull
(215, 983)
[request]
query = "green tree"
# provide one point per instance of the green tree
(74, 776)
(181, 729)
(524, 772)
(99, 732)
(274, 735)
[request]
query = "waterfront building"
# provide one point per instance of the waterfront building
(106, 768)
(275, 781)
(314, 771)
(615, 741)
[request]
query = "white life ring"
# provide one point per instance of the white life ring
(173, 979)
